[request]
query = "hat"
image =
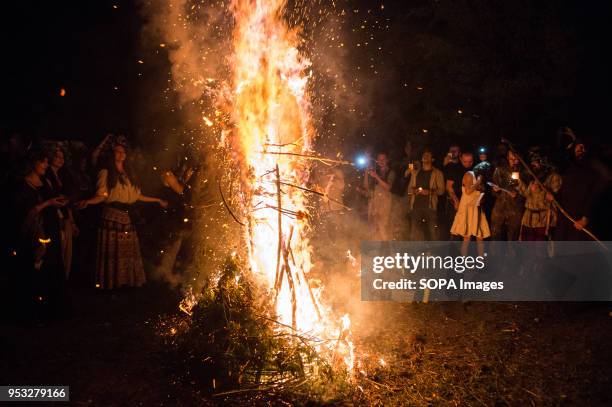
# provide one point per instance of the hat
(534, 154)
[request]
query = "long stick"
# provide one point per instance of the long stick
(554, 201)
(310, 157)
(280, 232)
(316, 193)
(292, 289)
(227, 206)
(292, 284)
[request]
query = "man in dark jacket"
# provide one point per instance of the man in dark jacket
(582, 185)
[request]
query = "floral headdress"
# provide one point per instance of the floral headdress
(119, 140)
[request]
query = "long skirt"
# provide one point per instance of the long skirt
(118, 260)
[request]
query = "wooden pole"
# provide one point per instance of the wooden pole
(554, 201)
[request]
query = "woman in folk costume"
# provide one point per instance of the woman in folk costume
(118, 259)
(540, 215)
(470, 220)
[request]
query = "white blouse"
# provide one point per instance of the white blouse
(123, 193)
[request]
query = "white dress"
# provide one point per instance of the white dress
(470, 219)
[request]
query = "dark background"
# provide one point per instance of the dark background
(515, 68)
(518, 69)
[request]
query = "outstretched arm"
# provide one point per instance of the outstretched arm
(101, 192)
(144, 198)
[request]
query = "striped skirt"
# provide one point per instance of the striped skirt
(118, 259)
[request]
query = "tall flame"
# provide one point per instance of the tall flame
(273, 131)
(271, 110)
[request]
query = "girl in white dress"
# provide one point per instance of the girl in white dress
(470, 219)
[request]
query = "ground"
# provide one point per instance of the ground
(110, 353)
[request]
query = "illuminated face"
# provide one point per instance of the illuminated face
(579, 150)
(512, 159)
(119, 153)
(427, 158)
(467, 160)
(454, 152)
(40, 167)
(408, 148)
(58, 159)
(382, 160)
(482, 156)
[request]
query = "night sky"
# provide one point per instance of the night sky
(518, 69)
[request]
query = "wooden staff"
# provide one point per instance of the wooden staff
(554, 201)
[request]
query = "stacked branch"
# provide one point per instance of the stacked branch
(234, 347)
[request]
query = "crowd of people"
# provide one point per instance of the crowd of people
(474, 196)
(77, 217)
(78, 214)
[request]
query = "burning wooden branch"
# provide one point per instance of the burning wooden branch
(323, 160)
(227, 206)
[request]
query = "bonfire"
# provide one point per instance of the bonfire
(262, 319)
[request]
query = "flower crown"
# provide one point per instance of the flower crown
(119, 140)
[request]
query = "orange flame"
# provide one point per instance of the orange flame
(271, 112)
